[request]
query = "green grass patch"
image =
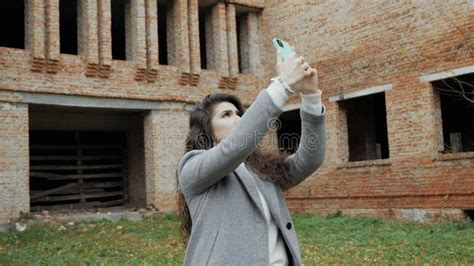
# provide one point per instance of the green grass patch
(323, 240)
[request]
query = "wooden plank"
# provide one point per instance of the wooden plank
(109, 203)
(125, 175)
(72, 147)
(64, 206)
(72, 158)
(76, 197)
(43, 193)
(77, 191)
(76, 167)
(71, 191)
(94, 185)
(102, 184)
(51, 176)
(79, 163)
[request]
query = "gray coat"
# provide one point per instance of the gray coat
(228, 224)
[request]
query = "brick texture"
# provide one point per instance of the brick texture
(354, 45)
(360, 45)
(14, 164)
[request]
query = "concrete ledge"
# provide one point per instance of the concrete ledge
(359, 93)
(85, 101)
(447, 74)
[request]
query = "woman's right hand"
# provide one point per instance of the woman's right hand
(293, 70)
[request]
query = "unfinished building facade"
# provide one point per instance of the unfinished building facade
(95, 97)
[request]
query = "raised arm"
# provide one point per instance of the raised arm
(199, 169)
(311, 150)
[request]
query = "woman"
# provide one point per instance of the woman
(230, 194)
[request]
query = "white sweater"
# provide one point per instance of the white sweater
(312, 104)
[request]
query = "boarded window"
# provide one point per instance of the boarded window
(77, 169)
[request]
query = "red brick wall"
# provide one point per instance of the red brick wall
(14, 164)
(354, 45)
(357, 45)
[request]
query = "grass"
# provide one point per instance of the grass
(323, 240)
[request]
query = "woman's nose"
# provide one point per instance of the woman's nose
(237, 119)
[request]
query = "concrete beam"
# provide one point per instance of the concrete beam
(359, 93)
(447, 74)
(93, 102)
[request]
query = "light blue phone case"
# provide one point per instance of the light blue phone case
(283, 47)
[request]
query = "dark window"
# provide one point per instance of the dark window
(457, 112)
(12, 17)
(367, 127)
(118, 29)
(469, 213)
(239, 39)
(289, 130)
(203, 13)
(68, 26)
(162, 31)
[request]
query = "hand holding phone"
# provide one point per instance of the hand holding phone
(291, 69)
(283, 48)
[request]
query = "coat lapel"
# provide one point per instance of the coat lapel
(250, 180)
(250, 185)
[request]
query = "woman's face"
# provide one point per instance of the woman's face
(224, 117)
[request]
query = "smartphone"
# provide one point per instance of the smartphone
(283, 48)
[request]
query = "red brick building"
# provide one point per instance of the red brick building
(95, 95)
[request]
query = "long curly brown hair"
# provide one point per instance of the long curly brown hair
(271, 166)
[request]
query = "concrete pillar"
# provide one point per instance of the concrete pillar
(135, 32)
(232, 50)
(164, 146)
(194, 45)
(104, 27)
(34, 20)
(178, 38)
(52, 36)
(14, 161)
(152, 50)
(88, 39)
(216, 39)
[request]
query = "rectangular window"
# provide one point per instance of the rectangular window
(367, 127)
(12, 19)
(239, 21)
(247, 38)
(68, 26)
(162, 32)
(118, 29)
(457, 112)
(203, 16)
(289, 130)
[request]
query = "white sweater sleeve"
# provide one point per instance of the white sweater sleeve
(312, 103)
(277, 92)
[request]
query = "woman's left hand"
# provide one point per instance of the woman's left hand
(309, 85)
